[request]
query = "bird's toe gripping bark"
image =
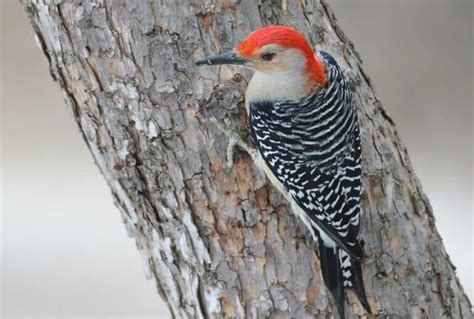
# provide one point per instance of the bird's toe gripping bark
(234, 140)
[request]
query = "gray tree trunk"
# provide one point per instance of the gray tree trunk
(225, 244)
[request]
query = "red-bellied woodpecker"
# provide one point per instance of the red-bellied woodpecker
(304, 124)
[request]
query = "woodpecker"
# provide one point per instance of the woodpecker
(304, 124)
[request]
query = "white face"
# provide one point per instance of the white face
(273, 58)
(280, 74)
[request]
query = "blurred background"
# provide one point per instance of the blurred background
(64, 250)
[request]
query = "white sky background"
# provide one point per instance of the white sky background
(65, 251)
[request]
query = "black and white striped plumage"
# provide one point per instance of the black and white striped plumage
(311, 146)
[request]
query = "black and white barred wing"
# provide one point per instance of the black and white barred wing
(326, 186)
(331, 199)
(329, 166)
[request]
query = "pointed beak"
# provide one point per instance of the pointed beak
(225, 58)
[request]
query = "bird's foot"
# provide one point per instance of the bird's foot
(234, 140)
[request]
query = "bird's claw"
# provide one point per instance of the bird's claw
(234, 140)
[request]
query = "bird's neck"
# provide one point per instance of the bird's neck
(275, 87)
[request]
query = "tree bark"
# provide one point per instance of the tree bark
(226, 244)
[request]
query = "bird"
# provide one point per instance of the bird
(304, 123)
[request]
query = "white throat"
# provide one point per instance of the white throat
(273, 86)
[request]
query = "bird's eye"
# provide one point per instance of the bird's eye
(268, 56)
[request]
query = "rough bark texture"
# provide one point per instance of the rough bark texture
(218, 244)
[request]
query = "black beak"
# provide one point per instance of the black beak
(225, 58)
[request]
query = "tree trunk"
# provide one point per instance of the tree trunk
(226, 244)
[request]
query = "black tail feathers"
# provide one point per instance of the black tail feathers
(358, 284)
(339, 271)
(330, 267)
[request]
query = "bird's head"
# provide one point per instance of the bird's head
(275, 50)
